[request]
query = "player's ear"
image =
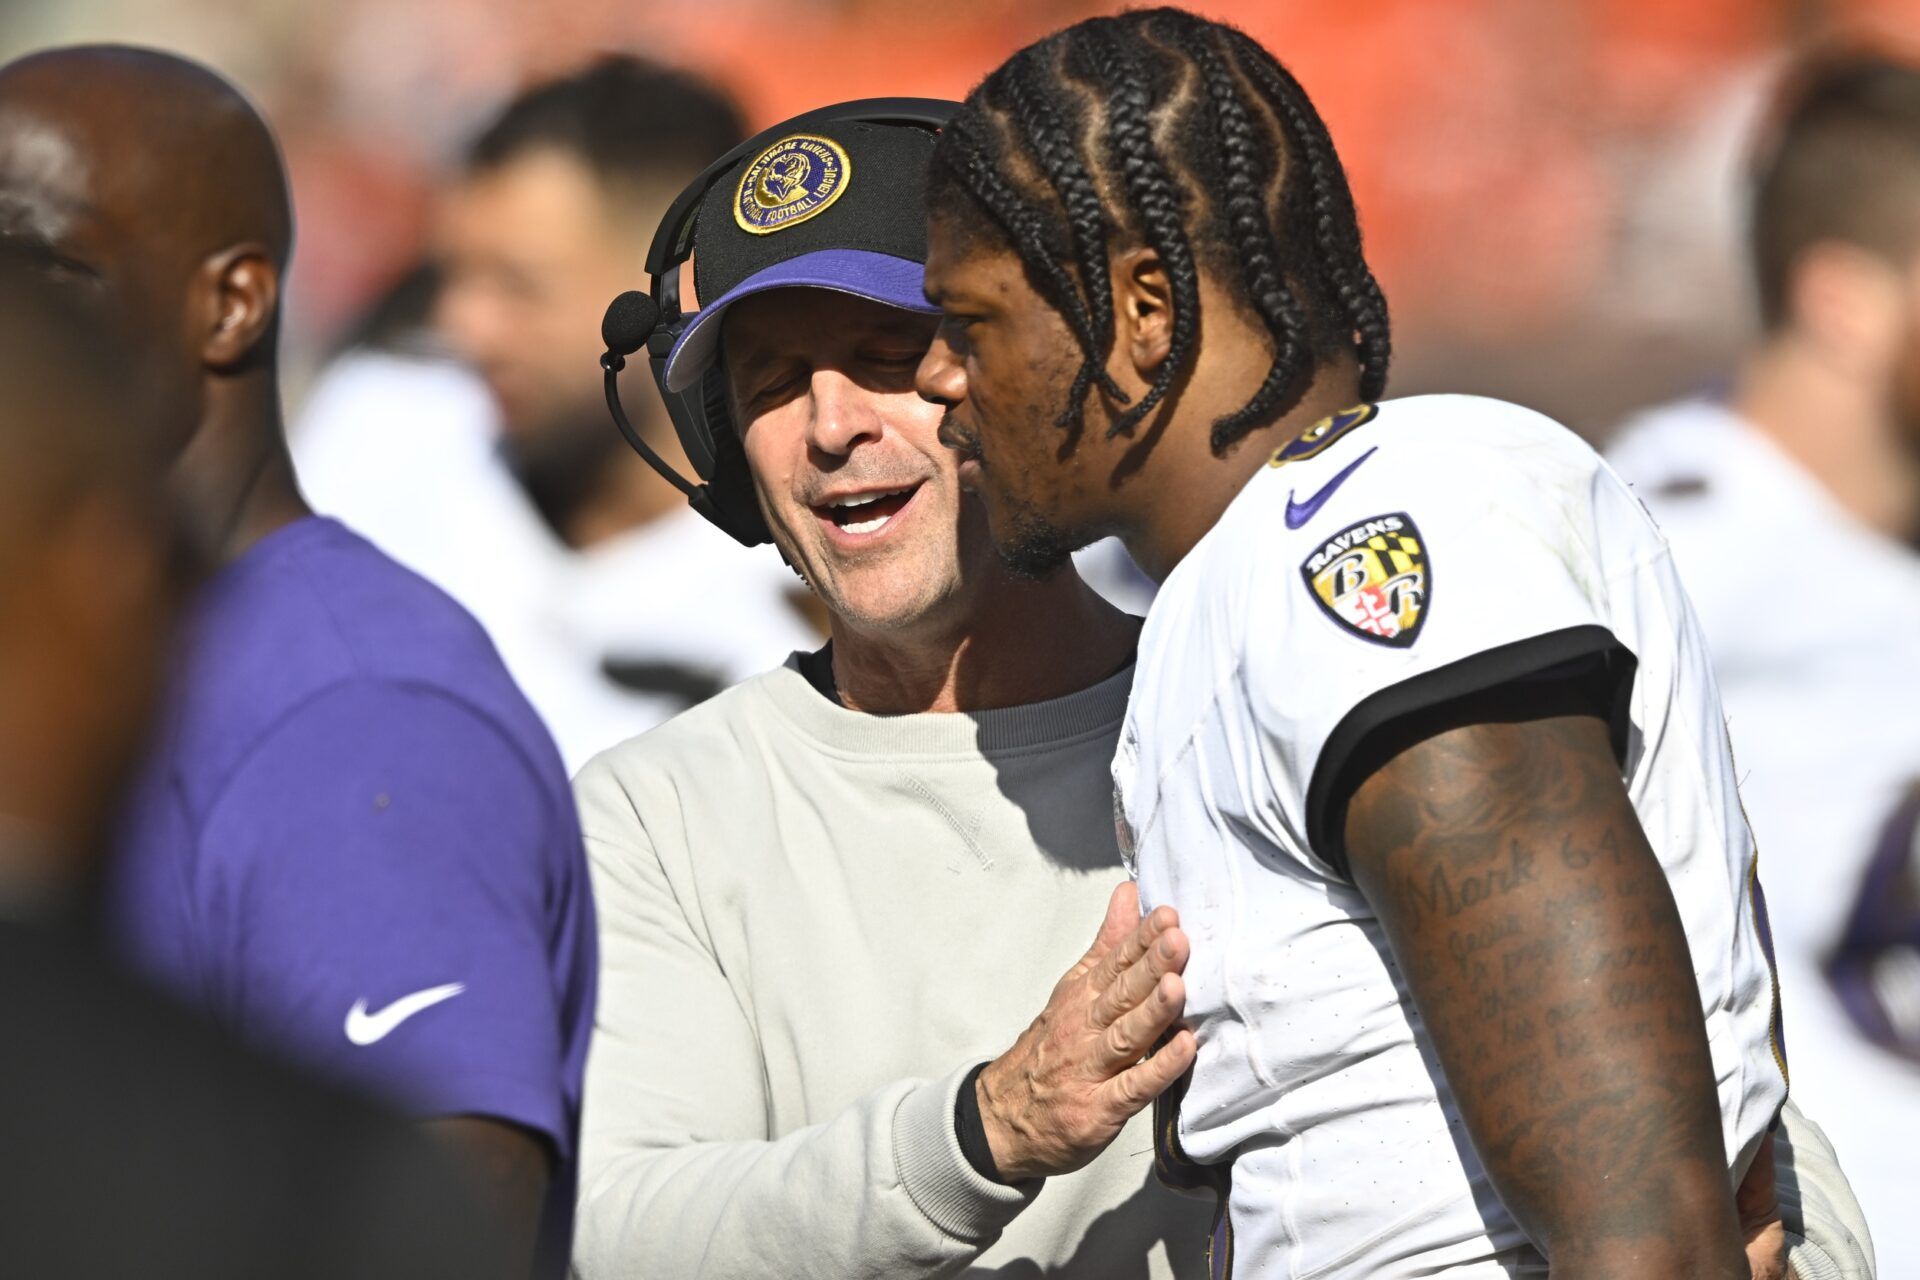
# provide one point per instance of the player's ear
(1142, 309)
(239, 298)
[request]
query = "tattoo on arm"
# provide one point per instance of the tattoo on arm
(1539, 936)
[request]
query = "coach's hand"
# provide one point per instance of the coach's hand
(1061, 1094)
(1758, 1202)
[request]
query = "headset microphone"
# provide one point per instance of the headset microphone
(630, 320)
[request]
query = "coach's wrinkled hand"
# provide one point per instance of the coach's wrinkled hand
(1061, 1094)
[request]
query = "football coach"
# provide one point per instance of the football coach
(834, 898)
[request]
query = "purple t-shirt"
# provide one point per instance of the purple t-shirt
(355, 844)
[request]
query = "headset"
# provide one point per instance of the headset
(700, 415)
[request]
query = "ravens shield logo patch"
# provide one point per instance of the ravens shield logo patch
(1373, 578)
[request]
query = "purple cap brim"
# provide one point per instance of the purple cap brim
(878, 277)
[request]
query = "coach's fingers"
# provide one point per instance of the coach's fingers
(1767, 1252)
(1136, 1087)
(1123, 916)
(1137, 943)
(1168, 954)
(1135, 1032)
(1757, 1200)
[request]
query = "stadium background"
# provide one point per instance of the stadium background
(1550, 188)
(1547, 188)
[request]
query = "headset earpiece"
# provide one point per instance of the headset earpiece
(716, 418)
(726, 499)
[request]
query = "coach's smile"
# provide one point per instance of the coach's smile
(860, 518)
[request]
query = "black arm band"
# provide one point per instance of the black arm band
(972, 1130)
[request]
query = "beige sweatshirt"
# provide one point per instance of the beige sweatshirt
(813, 924)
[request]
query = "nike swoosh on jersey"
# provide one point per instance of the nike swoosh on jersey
(365, 1028)
(1298, 513)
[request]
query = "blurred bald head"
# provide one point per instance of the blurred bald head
(150, 183)
(62, 399)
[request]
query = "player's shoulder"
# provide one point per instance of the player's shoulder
(1437, 439)
(1382, 490)
(1431, 439)
(1445, 454)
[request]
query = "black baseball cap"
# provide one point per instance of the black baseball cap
(838, 206)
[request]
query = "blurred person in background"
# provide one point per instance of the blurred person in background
(520, 501)
(832, 895)
(1793, 508)
(352, 842)
(134, 1141)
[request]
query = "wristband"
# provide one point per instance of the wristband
(971, 1129)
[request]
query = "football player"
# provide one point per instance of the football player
(1423, 744)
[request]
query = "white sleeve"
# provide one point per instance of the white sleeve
(1827, 1237)
(1437, 574)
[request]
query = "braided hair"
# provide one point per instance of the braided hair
(1164, 129)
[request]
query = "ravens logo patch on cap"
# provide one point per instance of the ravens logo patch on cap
(1373, 578)
(791, 181)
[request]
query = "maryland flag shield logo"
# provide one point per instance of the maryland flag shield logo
(1374, 579)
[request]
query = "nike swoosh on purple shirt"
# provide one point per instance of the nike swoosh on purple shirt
(1298, 513)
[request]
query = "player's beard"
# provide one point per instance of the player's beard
(1031, 546)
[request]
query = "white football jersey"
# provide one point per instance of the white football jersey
(1394, 558)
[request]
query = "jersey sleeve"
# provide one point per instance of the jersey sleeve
(1432, 578)
(377, 880)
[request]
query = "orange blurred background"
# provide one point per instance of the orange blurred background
(1549, 188)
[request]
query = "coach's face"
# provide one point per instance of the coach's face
(845, 455)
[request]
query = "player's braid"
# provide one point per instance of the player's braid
(1336, 224)
(1154, 197)
(1021, 221)
(1028, 89)
(1250, 224)
(1247, 181)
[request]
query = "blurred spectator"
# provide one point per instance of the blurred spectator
(352, 841)
(1793, 508)
(613, 603)
(136, 1142)
(1507, 157)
